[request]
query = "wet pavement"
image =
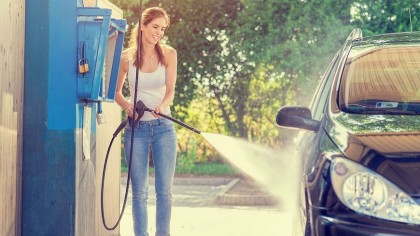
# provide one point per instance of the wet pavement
(196, 211)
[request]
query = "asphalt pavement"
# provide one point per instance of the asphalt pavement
(198, 211)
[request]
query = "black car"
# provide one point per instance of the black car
(359, 143)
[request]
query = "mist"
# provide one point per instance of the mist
(278, 171)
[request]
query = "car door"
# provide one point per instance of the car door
(306, 139)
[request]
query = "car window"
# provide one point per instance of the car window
(381, 79)
(320, 98)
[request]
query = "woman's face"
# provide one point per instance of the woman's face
(155, 30)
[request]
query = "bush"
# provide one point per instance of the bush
(186, 160)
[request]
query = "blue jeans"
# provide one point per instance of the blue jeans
(160, 136)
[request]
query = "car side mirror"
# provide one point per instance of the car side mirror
(296, 117)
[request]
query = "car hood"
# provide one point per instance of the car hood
(387, 144)
(391, 135)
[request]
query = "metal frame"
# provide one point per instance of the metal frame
(95, 26)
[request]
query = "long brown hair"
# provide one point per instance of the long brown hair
(148, 15)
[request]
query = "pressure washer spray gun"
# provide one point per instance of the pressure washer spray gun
(140, 109)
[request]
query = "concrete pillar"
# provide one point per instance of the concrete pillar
(59, 183)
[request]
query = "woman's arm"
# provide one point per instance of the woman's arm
(171, 74)
(122, 73)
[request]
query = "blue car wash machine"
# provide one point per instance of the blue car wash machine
(72, 56)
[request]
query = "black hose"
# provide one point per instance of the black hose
(181, 123)
(120, 127)
(171, 119)
(140, 108)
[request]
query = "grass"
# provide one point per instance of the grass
(211, 168)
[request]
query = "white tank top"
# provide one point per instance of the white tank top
(151, 88)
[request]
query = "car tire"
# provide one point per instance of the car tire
(308, 218)
(308, 229)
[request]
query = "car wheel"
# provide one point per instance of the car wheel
(308, 219)
(308, 229)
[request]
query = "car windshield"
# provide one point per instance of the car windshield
(383, 79)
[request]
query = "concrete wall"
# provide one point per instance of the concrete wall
(12, 24)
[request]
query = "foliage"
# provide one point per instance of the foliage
(386, 16)
(200, 36)
(186, 159)
(214, 168)
(185, 162)
(295, 39)
(207, 169)
(199, 117)
(261, 110)
(241, 60)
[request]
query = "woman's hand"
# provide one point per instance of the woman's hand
(157, 111)
(128, 108)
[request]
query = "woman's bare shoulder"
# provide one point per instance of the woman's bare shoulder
(125, 59)
(168, 50)
(125, 55)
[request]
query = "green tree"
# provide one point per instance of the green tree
(241, 60)
(130, 13)
(295, 38)
(288, 44)
(208, 66)
(386, 16)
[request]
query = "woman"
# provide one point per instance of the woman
(156, 88)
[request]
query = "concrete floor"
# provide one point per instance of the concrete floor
(219, 221)
(196, 213)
